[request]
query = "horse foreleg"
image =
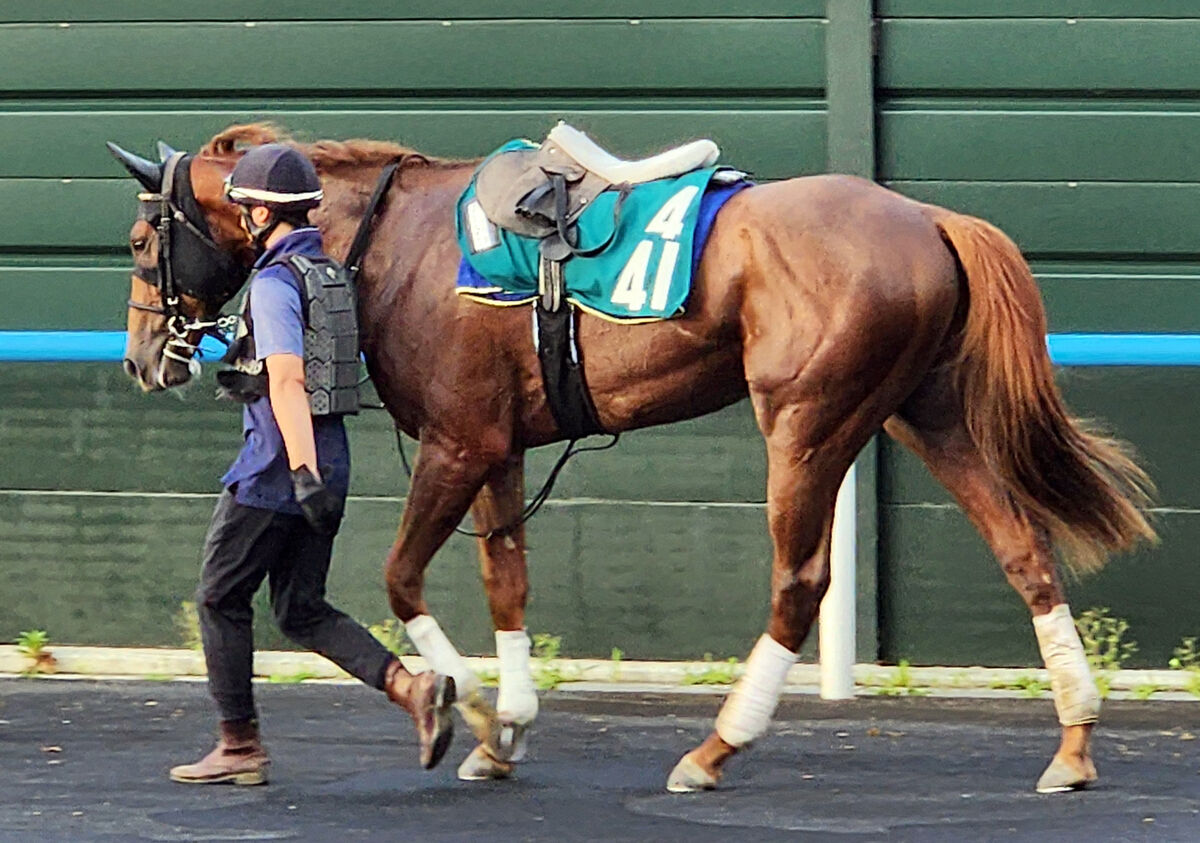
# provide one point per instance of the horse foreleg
(801, 490)
(496, 512)
(445, 480)
(1025, 555)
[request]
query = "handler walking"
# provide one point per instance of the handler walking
(285, 493)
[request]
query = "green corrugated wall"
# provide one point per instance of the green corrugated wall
(1073, 126)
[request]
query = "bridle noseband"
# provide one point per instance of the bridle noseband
(219, 280)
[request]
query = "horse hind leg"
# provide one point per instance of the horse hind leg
(931, 425)
(802, 487)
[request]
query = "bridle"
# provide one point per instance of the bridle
(221, 277)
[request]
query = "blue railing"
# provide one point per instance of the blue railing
(1065, 349)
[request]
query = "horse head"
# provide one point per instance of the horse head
(190, 257)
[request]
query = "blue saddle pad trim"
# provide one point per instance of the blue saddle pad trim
(711, 203)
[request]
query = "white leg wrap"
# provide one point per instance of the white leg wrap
(1075, 696)
(747, 712)
(436, 649)
(517, 702)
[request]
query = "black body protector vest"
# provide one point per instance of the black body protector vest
(331, 362)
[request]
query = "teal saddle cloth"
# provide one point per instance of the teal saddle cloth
(644, 274)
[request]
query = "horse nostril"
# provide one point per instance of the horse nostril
(131, 368)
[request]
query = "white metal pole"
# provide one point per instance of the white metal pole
(837, 621)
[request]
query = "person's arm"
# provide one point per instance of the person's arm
(289, 404)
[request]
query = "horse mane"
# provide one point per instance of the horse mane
(325, 154)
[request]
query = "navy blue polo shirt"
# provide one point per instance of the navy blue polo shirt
(276, 312)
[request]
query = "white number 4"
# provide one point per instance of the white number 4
(668, 222)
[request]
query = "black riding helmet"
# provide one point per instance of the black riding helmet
(277, 176)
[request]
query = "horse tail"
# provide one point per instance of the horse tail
(1080, 485)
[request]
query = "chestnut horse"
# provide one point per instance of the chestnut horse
(837, 306)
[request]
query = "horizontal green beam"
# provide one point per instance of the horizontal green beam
(770, 142)
(45, 294)
(1045, 218)
(1065, 54)
(1078, 219)
(404, 59)
(55, 11)
(996, 145)
(1036, 9)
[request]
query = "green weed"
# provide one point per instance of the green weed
(1031, 685)
(291, 678)
(1187, 657)
(617, 655)
(901, 684)
(714, 673)
(187, 624)
(1104, 644)
(548, 672)
(32, 645)
(390, 633)
(1146, 691)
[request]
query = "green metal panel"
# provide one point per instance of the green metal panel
(85, 427)
(771, 138)
(1066, 54)
(1075, 141)
(661, 582)
(15, 11)
(709, 56)
(945, 601)
(1076, 219)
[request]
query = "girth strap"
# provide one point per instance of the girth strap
(558, 353)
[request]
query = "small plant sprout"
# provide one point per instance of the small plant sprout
(1187, 657)
(187, 624)
(548, 672)
(901, 683)
(617, 655)
(1031, 685)
(390, 633)
(715, 673)
(32, 645)
(1104, 644)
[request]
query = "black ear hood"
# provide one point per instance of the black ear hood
(148, 173)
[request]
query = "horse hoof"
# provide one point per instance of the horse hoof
(479, 766)
(1061, 777)
(690, 777)
(512, 741)
(479, 716)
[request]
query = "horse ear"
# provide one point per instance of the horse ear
(146, 172)
(165, 151)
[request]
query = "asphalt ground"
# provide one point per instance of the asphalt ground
(87, 761)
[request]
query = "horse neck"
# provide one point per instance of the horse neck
(413, 230)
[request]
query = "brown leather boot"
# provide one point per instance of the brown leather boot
(239, 758)
(428, 697)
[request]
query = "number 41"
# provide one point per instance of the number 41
(630, 290)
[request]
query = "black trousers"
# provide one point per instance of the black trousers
(244, 546)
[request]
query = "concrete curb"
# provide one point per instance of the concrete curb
(608, 675)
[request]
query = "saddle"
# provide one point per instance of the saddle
(540, 192)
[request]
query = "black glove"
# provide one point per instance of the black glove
(322, 508)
